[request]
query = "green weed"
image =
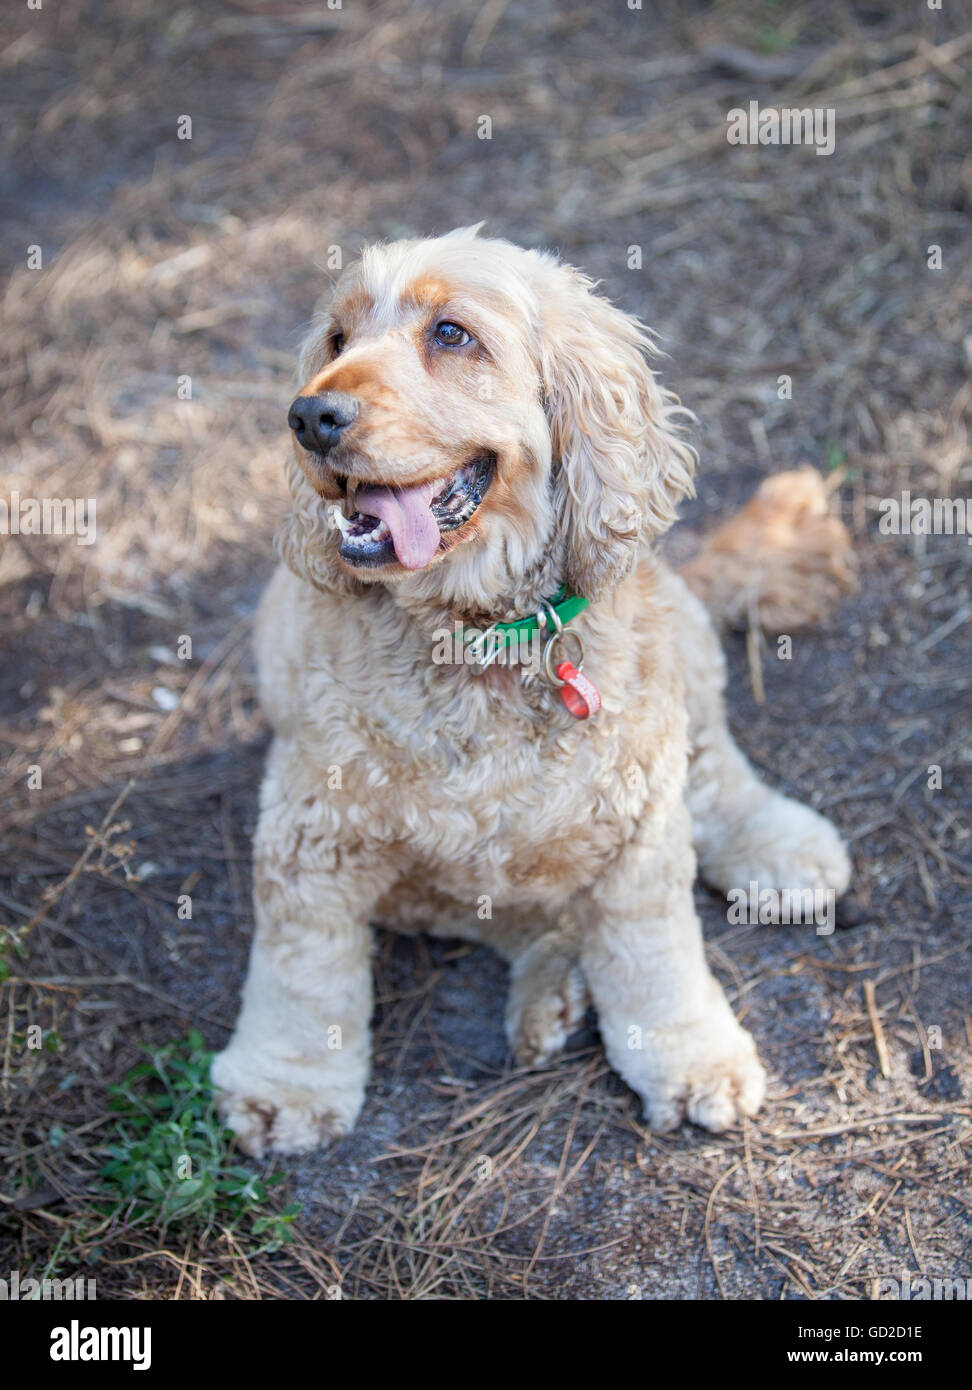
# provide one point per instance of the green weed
(169, 1155)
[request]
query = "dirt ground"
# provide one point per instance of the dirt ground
(202, 258)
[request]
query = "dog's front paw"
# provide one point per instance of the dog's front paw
(782, 845)
(283, 1104)
(707, 1072)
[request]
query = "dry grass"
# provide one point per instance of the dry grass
(165, 259)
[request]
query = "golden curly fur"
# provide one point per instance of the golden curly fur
(425, 796)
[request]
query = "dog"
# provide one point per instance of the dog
(481, 446)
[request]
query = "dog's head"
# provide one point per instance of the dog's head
(477, 425)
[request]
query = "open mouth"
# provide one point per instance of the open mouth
(407, 524)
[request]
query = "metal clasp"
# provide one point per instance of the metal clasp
(483, 658)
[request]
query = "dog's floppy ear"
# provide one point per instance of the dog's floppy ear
(620, 467)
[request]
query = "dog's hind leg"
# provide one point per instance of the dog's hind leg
(742, 830)
(548, 998)
(548, 993)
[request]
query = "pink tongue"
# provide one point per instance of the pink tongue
(407, 514)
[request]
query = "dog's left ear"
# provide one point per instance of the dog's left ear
(620, 467)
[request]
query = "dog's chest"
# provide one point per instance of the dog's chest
(496, 793)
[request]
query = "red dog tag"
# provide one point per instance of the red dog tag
(580, 695)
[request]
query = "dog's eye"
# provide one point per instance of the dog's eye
(451, 335)
(337, 343)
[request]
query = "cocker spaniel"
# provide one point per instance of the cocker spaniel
(497, 714)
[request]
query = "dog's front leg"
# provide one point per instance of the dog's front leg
(294, 1072)
(666, 1024)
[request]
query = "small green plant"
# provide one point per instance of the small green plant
(169, 1163)
(11, 949)
(835, 455)
(772, 40)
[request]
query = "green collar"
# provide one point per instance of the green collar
(499, 636)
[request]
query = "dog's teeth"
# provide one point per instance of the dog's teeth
(357, 539)
(340, 521)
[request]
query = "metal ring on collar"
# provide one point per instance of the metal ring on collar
(561, 636)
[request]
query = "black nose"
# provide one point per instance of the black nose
(317, 421)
